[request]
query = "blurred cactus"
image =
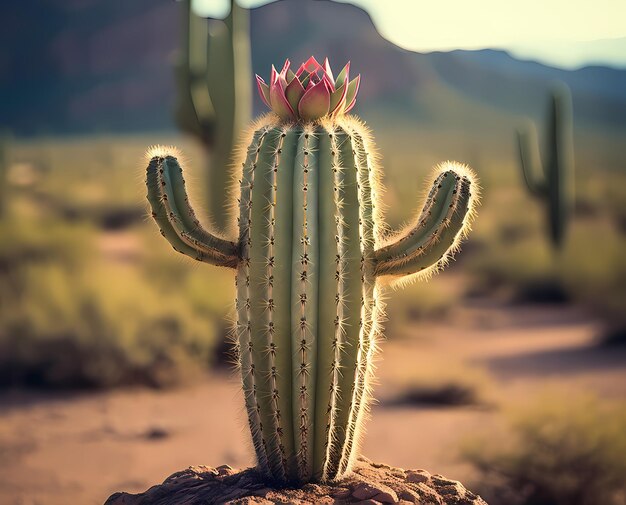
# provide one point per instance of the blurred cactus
(214, 93)
(4, 168)
(553, 181)
(309, 258)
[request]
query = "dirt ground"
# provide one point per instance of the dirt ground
(79, 448)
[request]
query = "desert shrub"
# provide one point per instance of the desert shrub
(557, 452)
(99, 326)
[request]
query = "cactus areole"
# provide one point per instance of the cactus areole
(311, 258)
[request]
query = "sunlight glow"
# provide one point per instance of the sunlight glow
(559, 32)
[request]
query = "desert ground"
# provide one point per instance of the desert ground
(79, 448)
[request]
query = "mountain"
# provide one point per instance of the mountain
(76, 66)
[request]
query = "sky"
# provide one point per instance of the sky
(564, 33)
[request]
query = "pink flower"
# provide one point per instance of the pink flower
(310, 93)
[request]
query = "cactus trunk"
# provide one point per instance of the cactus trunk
(306, 305)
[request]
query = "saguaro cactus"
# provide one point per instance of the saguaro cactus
(214, 92)
(309, 259)
(552, 182)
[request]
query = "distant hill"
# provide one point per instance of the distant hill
(76, 66)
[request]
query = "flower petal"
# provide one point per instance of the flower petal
(316, 101)
(279, 103)
(353, 89)
(329, 81)
(338, 99)
(273, 76)
(264, 90)
(294, 92)
(312, 65)
(329, 73)
(343, 76)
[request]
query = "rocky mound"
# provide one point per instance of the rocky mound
(371, 484)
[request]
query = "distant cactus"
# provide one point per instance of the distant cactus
(553, 181)
(309, 258)
(4, 168)
(214, 93)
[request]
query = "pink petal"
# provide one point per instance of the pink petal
(353, 89)
(273, 75)
(329, 81)
(264, 90)
(329, 73)
(312, 65)
(294, 92)
(315, 102)
(278, 102)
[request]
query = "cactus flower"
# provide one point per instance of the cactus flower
(310, 93)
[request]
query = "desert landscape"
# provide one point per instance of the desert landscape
(506, 371)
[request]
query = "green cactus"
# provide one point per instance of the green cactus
(214, 95)
(555, 185)
(310, 259)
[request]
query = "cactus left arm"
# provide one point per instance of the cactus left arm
(444, 221)
(176, 218)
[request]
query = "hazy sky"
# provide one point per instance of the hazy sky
(566, 33)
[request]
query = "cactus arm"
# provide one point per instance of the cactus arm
(431, 218)
(530, 161)
(453, 203)
(171, 211)
(190, 229)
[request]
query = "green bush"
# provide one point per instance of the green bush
(557, 452)
(99, 326)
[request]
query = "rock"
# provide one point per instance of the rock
(417, 476)
(370, 484)
(364, 491)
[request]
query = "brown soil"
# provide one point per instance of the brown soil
(370, 484)
(61, 449)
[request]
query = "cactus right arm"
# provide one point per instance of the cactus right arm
(176, 218)
(427, 244)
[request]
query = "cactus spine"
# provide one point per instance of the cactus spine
(309, 259)
(556, 186)
(214, 94)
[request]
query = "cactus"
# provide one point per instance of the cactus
(555, 186)
(4, 168)
(214, 93)
(310, 259)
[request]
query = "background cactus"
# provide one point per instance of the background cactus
(553, 181)
(4, 192)
(214, 93)
(309, 258)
